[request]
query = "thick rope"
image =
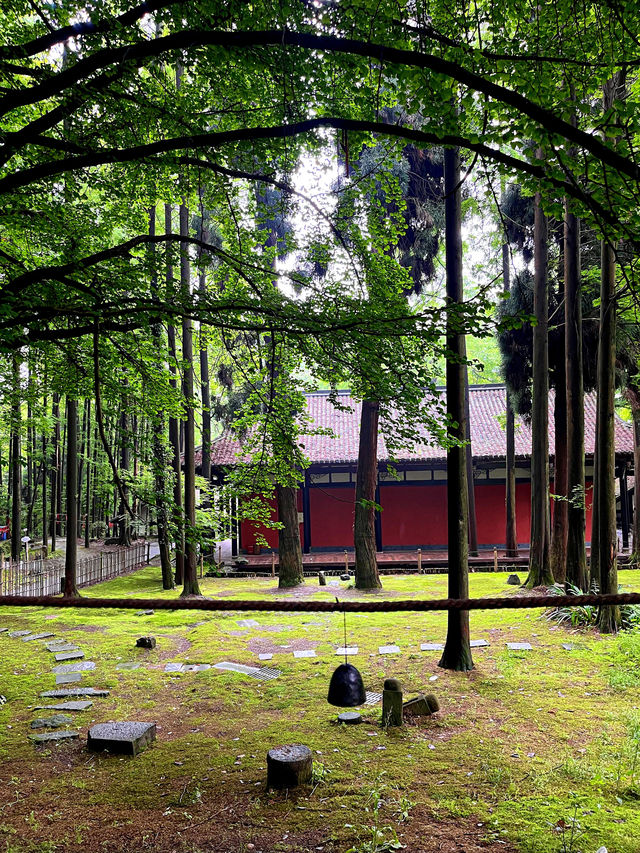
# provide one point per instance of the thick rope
(515, 603)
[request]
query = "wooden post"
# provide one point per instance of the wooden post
(419, 561)
(346, 563)
(273, 564)
(495, 559)
(219, 554)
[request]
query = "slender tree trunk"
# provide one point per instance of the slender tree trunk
(559, 531)
(577, 572)
(205, 390)
(190, 580)
(364, 532)
(159, 460)
(636, 485)
(174, 431)
(457, 650)
(289, 548)
(124, 522)
(55, 464)
(511, 535)
(71, 555)
(539, 567)
(606, 543)
(88, 484)
(609, 616)
(45, 474)
(16, 464)
(471, 492)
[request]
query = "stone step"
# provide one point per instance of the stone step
(65, 706)
(126, 738)
(46, 737)
(73, 691)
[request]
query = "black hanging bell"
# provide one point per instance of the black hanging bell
(346, 689)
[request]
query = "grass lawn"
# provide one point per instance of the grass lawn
(532, 751)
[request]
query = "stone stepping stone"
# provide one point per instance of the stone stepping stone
(127, 738)
(304, 653)
(61, 647)
(68, 678)
(46, 737)
(70, 655)
(519, 647)
(145, 612)
(247, 623)
(236, 667)
(129, 665)
(389, 650)
(54, 722)
(174, 667)
(73, 691)
(19, 633)
(347, 650)
(431, 647)
(80, 666)
(2, 630)
(350, 718)
(265, 656)
(478, 644)
(42, 636)
(372, 698)
(65, 706)
(196, 667)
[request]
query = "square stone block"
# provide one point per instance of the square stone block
(349, 650)
(65, 706)
(68, 677)
(478, 644)
(70, 655)
(389, 650)
(519, 647)
(128, 738)
(304, 653)
(79, 666)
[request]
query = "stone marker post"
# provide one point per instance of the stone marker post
(392, 703)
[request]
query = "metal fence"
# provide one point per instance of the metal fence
(44, 577)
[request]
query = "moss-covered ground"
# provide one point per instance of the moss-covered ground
(532, 751)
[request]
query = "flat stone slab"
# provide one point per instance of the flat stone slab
(61, 647)
(128, 665)
(347, 650)
(70, 655)
(519, 647)
(388, 650)
(247, 623)
(19, 633)
(236, 667)
(350, 718)
(478, 644)
(51, 722)
(304, 653)
(431, 647)
(196, 667)
(46, 737)
(73, 691)
(265, 656)
(174, 667)
(65, 706)
(127, 738)
(2, 630)
(80, 666)
(42, 636)
(68, 678)
(145, 612)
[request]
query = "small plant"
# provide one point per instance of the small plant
(569, 831)
(319, 773)
(586, 616)
(376, 837)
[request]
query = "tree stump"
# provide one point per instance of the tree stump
(289, 766)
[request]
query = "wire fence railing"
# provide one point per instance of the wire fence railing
(35, 578)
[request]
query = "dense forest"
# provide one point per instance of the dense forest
(209, 209)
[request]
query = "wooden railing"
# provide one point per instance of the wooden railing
(44, 577)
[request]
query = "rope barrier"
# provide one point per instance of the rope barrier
(515, 603)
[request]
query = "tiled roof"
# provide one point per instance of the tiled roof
(487, 414)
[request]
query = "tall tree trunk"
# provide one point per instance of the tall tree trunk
(457, 650)
(159, 459)
(609, 616)
(45, 474)
(511, 535)
(636, 485)
(16, 463)
(559, 531)
(124, 522)
(190, 580)
(71, 555)
(174, 431)
(471, 492)
(576, 572)
(539, 567)
(364, 532)
(55, 464)
(205, 390)
(87, 494)
(289, 548)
